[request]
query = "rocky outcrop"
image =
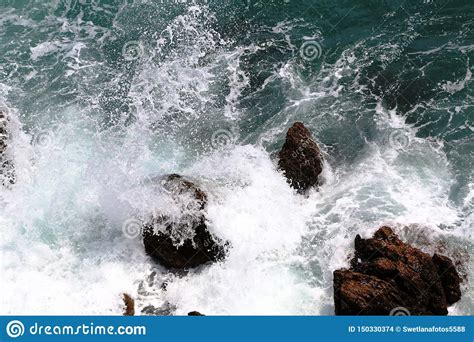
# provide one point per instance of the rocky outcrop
(300, 158)
(7, 172)
(195, 313)
(450, 278)
(360, 294)
(387, 274)
(129, 305)
(184, 241)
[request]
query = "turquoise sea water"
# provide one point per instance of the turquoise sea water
(103, 95)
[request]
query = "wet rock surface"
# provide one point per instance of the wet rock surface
(387, 274)
(7, 172)
(3, 132)
(184, 242)
(166, 309)
(129, 305)
(300, 158)
(450, 278)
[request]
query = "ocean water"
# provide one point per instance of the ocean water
(105, 95)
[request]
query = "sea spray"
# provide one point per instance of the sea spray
(108, 96)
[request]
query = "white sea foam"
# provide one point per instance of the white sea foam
(43, 49)
(62, 223)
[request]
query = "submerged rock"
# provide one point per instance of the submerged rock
(387, 274)
(7, 172)
(300, 158)
(184, 241)
(129, 305)
(3, 132)
(166, 309)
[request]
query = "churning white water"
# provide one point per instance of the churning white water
(63, 249)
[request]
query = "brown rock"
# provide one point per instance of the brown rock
(449, 278)
(360, 294)
(195, 313)
(159, 235)
(387, 273)
(129, 305)
(300, 158)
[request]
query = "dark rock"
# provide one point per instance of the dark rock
(300, 158)
(361, 294)
(3, 132)
(7, 171)
(387, 273)
(166, 309)
(449, 278)
(149, 310)
(184, 242)
(195, 313)
(129, 305)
